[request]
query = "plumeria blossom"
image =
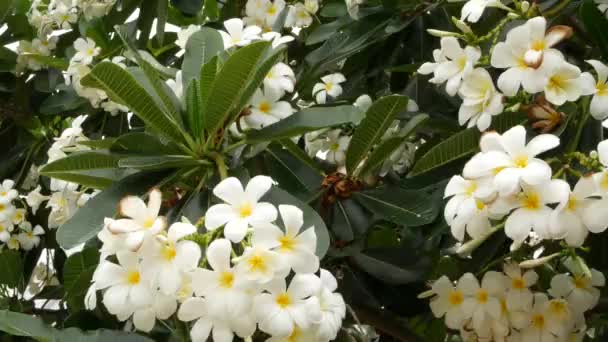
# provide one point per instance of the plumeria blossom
(526, 54)
(162, 307)
(280, 78)
(473, 9)
(295, 246)
(518, 295)
(143, 220)
(447, 301)
(579, 289)
(171, 257)
(335, 144)
(242, 208)
(237, 35)
(512, 160)
(5, 230)
(260, 264)
(539, 325)
(482, 301)
(272, 11)
(86, 50)
(266, 108)
(599, 89)
(29, 237)
(330, 86)
(480, 100)
(564, 84)
(283, 308)
(452, 63)
(276, 39)
(594, 216)
(333, 308)
(7, 193)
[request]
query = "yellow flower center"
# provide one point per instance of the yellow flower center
(531, 201)
(294, 335)
(133, 278)
(503, 306)
(480, 205)
(29, 234)
(602, 89)
(2, 228)
(604, 182)
(257, 263)
(148, 223)
(264, 107)
(538, 321)
(456, 298)
(557, 82)
(521, 161)
(3, 193)
(287, 243)
(497, 170)
(272, 10)
(470, 189)
(462, 62)
(572, 203)
(538, 45)
(283, 300)
(226, 280)
(580, 282)
(557, 307)
(169, 252)
(334, 147)
(2, 207)
(90, 52)
(482, 296)
(518, 283)
(245, 210)
(329, 86)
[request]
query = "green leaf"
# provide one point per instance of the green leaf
(95, 169)
(384, 150)
(11, 265)
(596, 24)
(278, 196)
(61, 102)
(5, 8)
(194, 108)
(201, 47)
(394, 265)
(161, 19)
(349, 220)
(377, 120)
(299, 153)
(77, 274)
(54, 62)
(142, 143)
(208, 72)
(88, 220)
(158, 162)
(101, 144)
(293, 175)
(306, 120)
(18, 324)
(403, 207)
(230, 84)
(461, 144)
(121, 87)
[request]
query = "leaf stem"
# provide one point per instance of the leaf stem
(221, 165)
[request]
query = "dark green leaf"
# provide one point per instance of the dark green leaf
(596, 24)
(158, 162)
(293, 175)
(95, 169)
(11, 265)
(394, 265)
(194, 108)
(77, 273)
(201, 47)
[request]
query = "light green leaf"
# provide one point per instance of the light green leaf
(121, 87)
(462, 144)
(307, 120)
(230, 85)
(95, 169)
(260, 73)
(194, 108)
(88, 220)
(201, 47)
(377, 120)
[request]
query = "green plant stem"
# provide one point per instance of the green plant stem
(556, 9)
(234, 146)
(221, 165)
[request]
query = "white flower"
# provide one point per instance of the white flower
(512, 160)
(30, 238)
(13, 243)
(473, 9)
(538, 325)
(242, 207)
(113, 107)
(72, 134)
(162, 307)
(580, 290)
(226, 291)
(45, 46)
(599, 89)
(330, 86)
(273, 10)
(480, 100)
(448, 301)
(365, 101)
(236, 35)
(594, 216)
(532, 212)
(85, 50)
(299, 16)
(255, 12)
(482, 301)
(519, 296)
(563, 84)
(184, 34)
(126, 284)
(266, 108)
(333, 308)
(5, 228)
(64, 16)
(526, 54)
(7, 193)
(276, 38)
(336, 146)
(296, 249)
(282, 308)
(280, 78)
(111, 243)
(352, 6)
(260, 264)
(171, 257)
(206, 324)
(569, 217)
(19, 216)
(452, 63)
(63, 206)
(176, 85)
(143, 220)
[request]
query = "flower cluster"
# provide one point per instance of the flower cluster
(261, 275)
(506, 179)
(65, 197)
(530, 62)
(510, 305)
(15, 231)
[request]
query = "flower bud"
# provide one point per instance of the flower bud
(538, 262)
(441, 34)
(525, 6)
(426, 294)
(461, 25)
(513, 15)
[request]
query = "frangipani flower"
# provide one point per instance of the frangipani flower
(86, 50)
(7, 193)
(594, 216)
(266, 108)
(236, 35)
(539, 325)
(336, 145)
(260, 265)
(30, 238)
(333, 308)
(564, 83)
(162, 307)
(448, 301)
(482, 301)
(480, 100)
(330, 86)
(519, 296)
(184, 34)
(295, 247)
(599, 103)
(242, 207)
(580, 290)
(280, 78)
(473, 9)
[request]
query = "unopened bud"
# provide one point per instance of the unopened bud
(593, 154)
(525, 6)
(461, 25)
(426, 294)
(513, 15)
(442, 34)
(538, 262)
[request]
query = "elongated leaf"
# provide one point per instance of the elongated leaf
(201, 47)
(377, 120)
(77, 273)
(261, 71)
(384, 150)
(161, 16)
(194, 107)
(394, 265)
(404, 207)
(88, 220)
(311, 218)
(462, 144)
(596, 24)
(141, 143)
(18, 324)
(102, 144)
(92, 168)
(158, 162)
(293, 175)
(12, 268)
(230, 84)
(54, 62)
(307, 120)
(208, 72)
(121, 87)
(299, 153)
